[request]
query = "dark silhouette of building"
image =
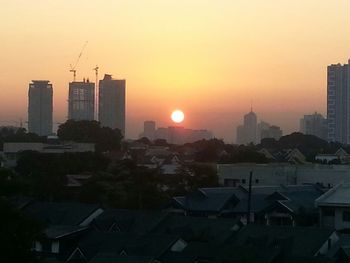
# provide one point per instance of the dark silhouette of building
(40, 107)
(338, 103)
(112, 103)
(149, 130)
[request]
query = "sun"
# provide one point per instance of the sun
(177, 116)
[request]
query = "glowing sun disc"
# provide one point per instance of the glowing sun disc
(177, 116)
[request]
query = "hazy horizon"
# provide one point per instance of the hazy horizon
(209, 59)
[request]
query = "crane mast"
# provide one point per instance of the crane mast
(74, 66)
(96, 92)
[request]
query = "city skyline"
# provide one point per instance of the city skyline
(210, 64)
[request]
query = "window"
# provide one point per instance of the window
(346, 216)
(328, 211)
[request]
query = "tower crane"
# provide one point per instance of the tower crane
(73, 67)
(96, 92)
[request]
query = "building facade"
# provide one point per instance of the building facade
(81, 100)
(265, 130)
(149, 130)
(334, 207)
(282, 173)
(314, 124)
(40, 107)
(247, 133)
(112, 103)
(338, 103)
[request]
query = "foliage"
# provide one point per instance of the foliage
(126, 185)
(106, 139)
(309, 145)
(45, 174)
(244, 154)
(17, 135)
(10, 183)
(17, 235)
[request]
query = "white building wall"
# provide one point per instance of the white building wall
(339, 223)
(287, 174)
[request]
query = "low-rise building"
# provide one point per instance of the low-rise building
(334, 207)
(282, 173)
(269, 205)
(13, 149)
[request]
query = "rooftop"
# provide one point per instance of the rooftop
(337, 196)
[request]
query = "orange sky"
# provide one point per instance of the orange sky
(208, 58)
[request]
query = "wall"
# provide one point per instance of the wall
(287, 174)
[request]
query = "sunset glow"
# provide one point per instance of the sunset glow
(213, 57)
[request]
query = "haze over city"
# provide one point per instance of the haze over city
(210, 59)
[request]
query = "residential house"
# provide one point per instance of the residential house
(12, 150)
(270, 205)
(334, 207)
(64, 224)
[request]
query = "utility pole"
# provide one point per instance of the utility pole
(249, 197)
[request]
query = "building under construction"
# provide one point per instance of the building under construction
(81, 100)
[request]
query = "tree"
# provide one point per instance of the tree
(18, 135)
(245, 154)
(105, 138)
(45, 174)
(17, 235)
(125, 185)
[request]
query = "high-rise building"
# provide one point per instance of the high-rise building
(112, 103)
(265, 130)
(81, 100)
(40, 107)
(149, 130)
(314, 124)
(247, 133)
(181, 135)
(338, 103)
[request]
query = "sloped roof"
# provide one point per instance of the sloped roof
(337, 196)
(60, 213)
(205, 201)
(303, 241)
(217, 199)
(197, 228)
(132, 244)
(128, 221)
(54, 232)
(112, 257)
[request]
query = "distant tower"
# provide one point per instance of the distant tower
(338, 103)
(112, 103)
(247, 133)
(149, 129)
(314, 124)
(40, 107)
(250, 124)
(81, 100)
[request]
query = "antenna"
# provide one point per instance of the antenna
(96, 92)
(73, 67)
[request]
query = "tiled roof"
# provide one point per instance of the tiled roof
(60, 213)
(337, 196)
(304, 241)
